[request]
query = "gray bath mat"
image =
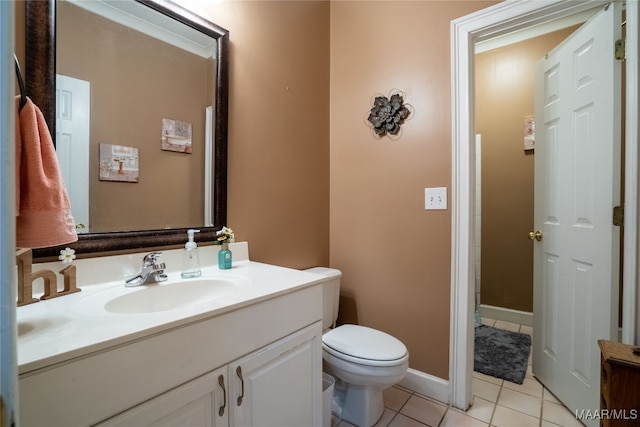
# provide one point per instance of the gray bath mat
(501, 354)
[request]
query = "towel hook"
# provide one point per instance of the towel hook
(23, 91)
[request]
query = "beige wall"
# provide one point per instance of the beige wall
(308, 183)
(395, 256)
(504, 95)
(278, 127)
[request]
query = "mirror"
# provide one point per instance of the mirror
(41, 87)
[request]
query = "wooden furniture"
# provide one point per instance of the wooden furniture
(619, 385)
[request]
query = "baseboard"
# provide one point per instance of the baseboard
(506, 314)
(427, 385)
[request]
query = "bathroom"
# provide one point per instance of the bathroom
(309, 184)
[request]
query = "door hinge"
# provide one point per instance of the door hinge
(618, 216)
(620, 51)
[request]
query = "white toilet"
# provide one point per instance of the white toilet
(365, 361)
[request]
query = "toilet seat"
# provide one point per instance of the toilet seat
(364, 346)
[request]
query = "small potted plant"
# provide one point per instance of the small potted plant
(223, 238)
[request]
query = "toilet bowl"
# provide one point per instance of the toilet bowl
(368, 361)
(365, 361)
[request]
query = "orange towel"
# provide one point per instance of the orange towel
(43, 211)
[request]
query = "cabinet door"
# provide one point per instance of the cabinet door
(281, 384)
(201, 402)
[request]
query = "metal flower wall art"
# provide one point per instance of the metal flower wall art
(388, 114)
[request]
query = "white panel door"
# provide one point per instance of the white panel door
(577, 184)
(72, 144)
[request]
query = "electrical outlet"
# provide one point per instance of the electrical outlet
(435, 198)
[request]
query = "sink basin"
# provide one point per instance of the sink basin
(157, 297)
(170, 296)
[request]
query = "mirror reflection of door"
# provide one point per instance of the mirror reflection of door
(72, 144)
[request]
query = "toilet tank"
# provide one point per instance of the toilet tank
(330, 294)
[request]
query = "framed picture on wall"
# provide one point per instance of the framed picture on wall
(176, 136)
(529, 133)
(118, 163)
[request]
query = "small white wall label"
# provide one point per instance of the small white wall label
(435, 198)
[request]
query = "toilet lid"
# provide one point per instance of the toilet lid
(364, 343)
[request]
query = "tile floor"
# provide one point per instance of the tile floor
(495, 403)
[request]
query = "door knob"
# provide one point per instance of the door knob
(537, 235)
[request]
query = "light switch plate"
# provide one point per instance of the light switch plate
(435, 198)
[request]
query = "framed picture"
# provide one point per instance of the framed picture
(529, 132)
(176, 136)
(118, 163)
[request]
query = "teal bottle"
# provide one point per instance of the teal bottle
(224, 257)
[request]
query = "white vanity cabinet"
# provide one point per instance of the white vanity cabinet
(269, 352)
(270, 387)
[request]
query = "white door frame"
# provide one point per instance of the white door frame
(8, 281)
(503, 18)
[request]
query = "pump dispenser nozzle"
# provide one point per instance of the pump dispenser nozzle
(191, 258)
(191, 244)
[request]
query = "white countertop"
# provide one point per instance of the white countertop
(59, 329)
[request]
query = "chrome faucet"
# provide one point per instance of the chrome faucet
(152, 271)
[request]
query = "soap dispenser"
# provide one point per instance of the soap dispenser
(190, 257)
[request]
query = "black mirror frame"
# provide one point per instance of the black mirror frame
(40, 84)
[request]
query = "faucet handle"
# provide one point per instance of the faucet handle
(151, 259)
(159, 267)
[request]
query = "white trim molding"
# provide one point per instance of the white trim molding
(427, 385)
(631, 296)
(503, 18)
(506, 314)
(9, 402)
(140, 18)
